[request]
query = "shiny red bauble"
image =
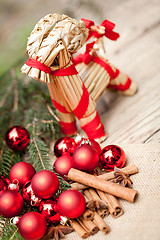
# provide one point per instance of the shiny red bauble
(71, 203)
(45, 184)
(48, 208)
(17, 138)
(112, 156)
(32, 226)
(86, 158)
(91, 142)
(63, 164)
(4, 183)
(11, 203)
(23, 172)
(28, 195)
(64, 145)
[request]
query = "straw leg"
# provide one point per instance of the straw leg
(65, 116)
(123, 84)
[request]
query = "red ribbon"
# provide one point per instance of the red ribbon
(121, 87)
(80, 110)
(68, 128)
(109, 26)
(71, 70)
(59, 107)
(92, 128)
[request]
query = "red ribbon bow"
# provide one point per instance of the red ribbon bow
(109, 26)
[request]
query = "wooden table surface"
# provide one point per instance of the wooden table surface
(137, 52)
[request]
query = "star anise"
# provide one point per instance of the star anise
(96, 204)
(122, 178)
(57, 232)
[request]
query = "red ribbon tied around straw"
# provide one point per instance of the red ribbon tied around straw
(108, 26)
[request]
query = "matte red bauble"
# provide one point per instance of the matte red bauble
(45, 184)
(64, 145)
(63, 164)
(11, 203)
(71, 203)
(91, 142)
(17, 138)
(28, 195)
(4, 183)
(32, 226)
(85, 158)
(48, 209)
(23, 172)
(112, 156)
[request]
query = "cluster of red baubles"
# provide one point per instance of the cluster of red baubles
(86, 155)
(39, 189)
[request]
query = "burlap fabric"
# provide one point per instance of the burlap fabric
(141, 220)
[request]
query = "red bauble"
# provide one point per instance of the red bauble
(32, 226)
(64, 145)
(63, 164)
(45, 184)
(91, 142)
(112, 156)
(28, 195)
(48, 208)
(85, 158)
(17, 138)
(11, 203)
(4, 183)
(23, 172)
(71, 203)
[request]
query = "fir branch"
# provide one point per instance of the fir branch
(52, 113)
(35, 142)
(15, 88)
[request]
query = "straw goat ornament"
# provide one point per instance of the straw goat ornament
(75, 84)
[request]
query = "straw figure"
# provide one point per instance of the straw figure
(50, 48)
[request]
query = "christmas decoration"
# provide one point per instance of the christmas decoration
(64, 145)
(4, 183)
(58, 232)
(91, 142)
(71, 203)
(45, 184)
(86, 158)
(112, 156)
(23, 172)
(48, 208)
(11, 203)
(32, 226)
(63, 164)
(17, 138)
(122, 178)
(69, 98)
(28, 195)
(14, 185)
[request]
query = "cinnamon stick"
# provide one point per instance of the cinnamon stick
(79, 229)
(114, 207)
(90, 225)
(88, 214)
(105, 186)
(100, 223)
(132, 169)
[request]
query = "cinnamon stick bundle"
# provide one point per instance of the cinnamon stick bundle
(88, 214)
(88, 225)
(105, 186)
(101, 223)
(132, 169)
(79, 229)
(93, 196)
(114, 207)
